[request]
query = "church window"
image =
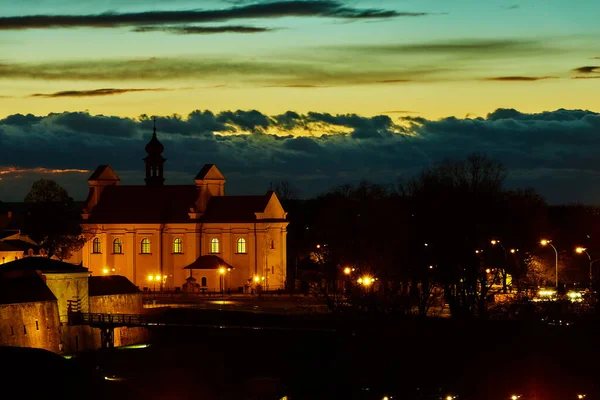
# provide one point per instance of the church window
(145, 246)
(178, 246)
(96, 246)
(241, 246)
(214, 245)
(117, 246)
(203, 281)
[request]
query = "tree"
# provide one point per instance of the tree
(284, 190)
(53, 220)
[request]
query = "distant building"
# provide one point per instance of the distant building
(150, 233)
(14, 245)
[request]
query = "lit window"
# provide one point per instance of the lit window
(96, 246)
(117, 246)
(177, 246)
(241, 246)
(214, 245)
(145, 246)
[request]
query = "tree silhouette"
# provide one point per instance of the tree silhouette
(53, 220)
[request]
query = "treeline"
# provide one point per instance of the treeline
(454, 230)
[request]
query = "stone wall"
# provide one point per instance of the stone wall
(117, 304)
(69, 286)
(33, 324)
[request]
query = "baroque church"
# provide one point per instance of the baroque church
(182, 237)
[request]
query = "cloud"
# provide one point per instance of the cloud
(587, 77)
(399, 112)
(275, 72)
(520, 78)
(588, 69)
(513, 7)
(553, 151)
(260, 10)
(203, 30)
(94, 92)
(6, 171)
(479, 47)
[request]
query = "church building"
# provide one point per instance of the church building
(182, 237)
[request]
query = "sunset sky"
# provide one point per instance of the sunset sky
(316, 92)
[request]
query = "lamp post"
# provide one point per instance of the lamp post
(580, 250)
(545, 242)
(222, 273)
(495, 242)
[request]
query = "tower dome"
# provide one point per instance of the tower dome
(154, 161)
(154, 146)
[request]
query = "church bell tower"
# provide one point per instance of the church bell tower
(154, 161)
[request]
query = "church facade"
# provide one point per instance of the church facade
(182, 237)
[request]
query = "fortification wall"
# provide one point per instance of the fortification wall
(34, 324)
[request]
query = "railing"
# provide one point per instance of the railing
(95, 319)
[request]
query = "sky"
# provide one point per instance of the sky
(317, 92)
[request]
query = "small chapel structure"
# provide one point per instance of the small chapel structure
(159, 236)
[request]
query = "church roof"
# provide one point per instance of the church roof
(208, 261)
(24, 290)
(144, 204)
(109, 285)
(17, 245)
(43, 264)
(235, 208)
(171, 204)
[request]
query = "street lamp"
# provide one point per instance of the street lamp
(545, 242)
(580, 250)
(347, 270)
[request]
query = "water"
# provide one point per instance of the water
(370, 360)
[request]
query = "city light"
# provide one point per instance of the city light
(347, 270)
(547, 293)
(494, 241)
(157, 277)
(513, 251)
(544, 242)
(515, 397)
(105, 271)
(488, 270)
(581, 396)
(221, 270)
(150, 278)
(256, 279)
(580, 250)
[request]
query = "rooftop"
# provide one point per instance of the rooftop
(24, 290)
(109, 285)
(43, 264)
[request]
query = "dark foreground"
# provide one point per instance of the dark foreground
(366, 359)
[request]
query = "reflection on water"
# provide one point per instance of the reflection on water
(407, 362)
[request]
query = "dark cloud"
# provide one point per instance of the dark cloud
(203, 30)
(274, 9)
(520, 78)
(587, 77)
(553, 151)
(513, 7)
(479, 47)
(95, 92)
(588, 69)
(281, 73)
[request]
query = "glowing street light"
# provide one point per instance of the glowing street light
(583, 250)
(347, 270)
(545, 242)
(105, 271)
(494, 241)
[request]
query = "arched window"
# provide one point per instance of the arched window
(214, 245)
(117, 246)
(203, 281)
(96, 246)
(145, 246)
(177, 246)
(241, 246)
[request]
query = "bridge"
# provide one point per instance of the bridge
(191, 318)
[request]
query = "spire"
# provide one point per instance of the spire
(154, 161)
